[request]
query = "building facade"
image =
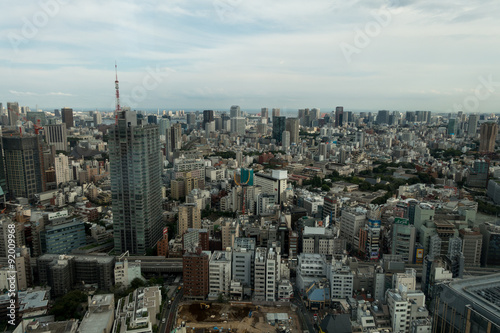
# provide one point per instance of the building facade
(135, 168)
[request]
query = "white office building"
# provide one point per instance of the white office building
(272, 274)
(351, 221)
(219, 274)
(341, 280)
(259, 293)
(275, 183)
(61, 166)
(311, 268)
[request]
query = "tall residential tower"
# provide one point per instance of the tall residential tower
(135, 184)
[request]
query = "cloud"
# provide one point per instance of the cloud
(59, 94)
(23, 93)
(222, 52)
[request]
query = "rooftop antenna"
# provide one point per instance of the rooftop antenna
(118, 108)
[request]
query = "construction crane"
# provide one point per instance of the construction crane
(37, 126)
(243, 190)
(117, 88)
(24, 121)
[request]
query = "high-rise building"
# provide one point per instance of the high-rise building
(209, 128)
(285, 142)
(57, 136)
(490, 255)
(67, 117)
(238, 125)
(452, 126)
(13, 112)
(292, 126)
(472, 243)
(61, 166)
(176, 137)
(264, 113)
(97, 117)
(195, 274)
(279, 126)
(135, 168)
(208, 116)
(152, 119)
(37, 118)
(383, 117)
(191, 119)
(488, 134)
(24, 165)
(351, 221)
(189, 217)
(472, 125)
(274, 184)
(276, 112)
(403, 239)
(339, 116)
(478, 174)
(235, 111)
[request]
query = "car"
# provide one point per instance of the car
(163, 321)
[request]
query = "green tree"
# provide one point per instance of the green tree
(137, 283)
(69, 306)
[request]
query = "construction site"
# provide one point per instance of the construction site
(240, 318)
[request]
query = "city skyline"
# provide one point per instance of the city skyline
(395, 55)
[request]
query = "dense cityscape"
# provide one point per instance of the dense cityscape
(129, 221)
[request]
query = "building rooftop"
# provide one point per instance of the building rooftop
(100, 313)
(314, 231)
(221, 256)
(33, 300)
(482, 291)
(53, 327)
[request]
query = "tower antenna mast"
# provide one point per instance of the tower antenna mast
(117, 88)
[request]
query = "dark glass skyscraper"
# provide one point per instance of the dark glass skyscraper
(67, 117)
(339, 116)
(24, 165)
(208, 116)
(135, 165)
(279, 126)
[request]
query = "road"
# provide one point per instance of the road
(169, 313)
(304, 314)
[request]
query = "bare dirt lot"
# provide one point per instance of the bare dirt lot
(232, 316)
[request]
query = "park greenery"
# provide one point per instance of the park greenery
(69, 306)
(381, 171)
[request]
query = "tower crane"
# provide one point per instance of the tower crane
(244, 190)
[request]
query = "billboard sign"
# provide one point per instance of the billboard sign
(56, 215)
(402, 221)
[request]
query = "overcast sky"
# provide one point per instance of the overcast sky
(442, 56)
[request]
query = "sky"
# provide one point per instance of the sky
(442, 56)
